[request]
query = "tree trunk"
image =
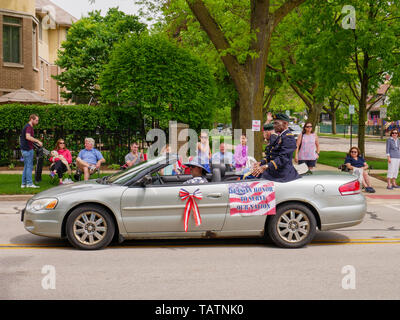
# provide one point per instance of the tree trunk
(235, 116)
(333, 116)
(362, 115)
(314, 113)
(251, 108)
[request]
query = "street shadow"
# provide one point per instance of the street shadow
(329, 237)
(321, 238)
(32, 241)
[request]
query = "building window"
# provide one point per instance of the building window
(12, 39)
(34, 45)
(41, 75)
(40, 30)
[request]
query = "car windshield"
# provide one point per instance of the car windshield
(125, 175)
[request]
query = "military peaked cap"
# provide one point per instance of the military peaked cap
(282, 116)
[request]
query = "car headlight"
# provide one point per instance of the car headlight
(43, 204)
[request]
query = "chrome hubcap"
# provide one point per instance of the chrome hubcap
(293, 226)
(90, 228)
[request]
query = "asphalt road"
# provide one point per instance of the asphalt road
(353, 263)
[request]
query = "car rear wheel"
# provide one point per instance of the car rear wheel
(90, 228)
(293, 226)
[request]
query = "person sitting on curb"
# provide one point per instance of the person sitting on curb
(354, 161)
(89, 159)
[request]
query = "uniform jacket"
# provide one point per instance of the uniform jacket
(267, 151)
(280, 167)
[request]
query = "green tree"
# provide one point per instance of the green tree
(241, 34)
(369, 47)
(161, 80)
(87, 49)
(393, 109)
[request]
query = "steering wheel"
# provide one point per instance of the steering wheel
(159, 178)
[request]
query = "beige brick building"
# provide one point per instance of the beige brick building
(31, 34)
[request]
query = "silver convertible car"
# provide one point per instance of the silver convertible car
(140, 203)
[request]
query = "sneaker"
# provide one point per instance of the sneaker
(92, 169)
(67, 181)
(372, 190)
(396, 186)
(389, 188)
(32, 186)
(23, 186)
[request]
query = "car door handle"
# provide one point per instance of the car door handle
(214, 195)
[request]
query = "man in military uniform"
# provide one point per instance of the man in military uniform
(269, 136)
(279, 152)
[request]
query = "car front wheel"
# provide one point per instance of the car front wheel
(90, 228)
(293, 226)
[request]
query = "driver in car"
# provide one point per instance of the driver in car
(198, 172)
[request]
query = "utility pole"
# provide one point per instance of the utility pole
(382, 114)
(351, 112)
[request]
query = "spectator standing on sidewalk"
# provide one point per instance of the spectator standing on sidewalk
(26, 143)
(393, 156)
(354, 161)
(307, 147)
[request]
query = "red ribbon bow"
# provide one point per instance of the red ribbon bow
(191, 204)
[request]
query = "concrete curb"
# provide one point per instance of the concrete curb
(15, 197)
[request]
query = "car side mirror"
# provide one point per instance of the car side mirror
(146, 180)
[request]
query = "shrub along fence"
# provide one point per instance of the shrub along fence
(113, 129)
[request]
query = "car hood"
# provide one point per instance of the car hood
(76, 187)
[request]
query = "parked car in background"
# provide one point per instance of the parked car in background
(296, 130)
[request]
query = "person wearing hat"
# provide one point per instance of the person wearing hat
(280, 167)
(198, 172)
(269, 136)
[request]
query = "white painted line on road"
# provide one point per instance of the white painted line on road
(392, 207)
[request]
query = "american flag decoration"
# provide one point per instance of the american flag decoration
(191, 204)
(252, 198)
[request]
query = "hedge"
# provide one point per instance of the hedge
(69, 117)
(115, 127)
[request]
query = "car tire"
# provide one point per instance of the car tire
(90, 228)
(293, 226)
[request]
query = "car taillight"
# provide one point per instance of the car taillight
(352, 187)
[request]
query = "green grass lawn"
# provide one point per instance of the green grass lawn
(347, 136)
(384, 177)
(11, 184)
(336, 158)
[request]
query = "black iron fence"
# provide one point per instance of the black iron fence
(114, 145)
